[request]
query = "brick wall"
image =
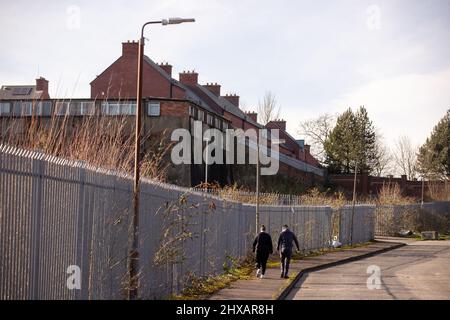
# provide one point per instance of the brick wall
(368, 185)
(118, 81)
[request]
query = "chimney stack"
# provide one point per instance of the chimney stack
(167, 68)
(130, 48)
(233, 99)
(189, 77)
(279, 123)
(214, 88)
(42, 85)
(252, 115)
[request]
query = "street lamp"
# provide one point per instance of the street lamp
(133, 255)
(207, 139)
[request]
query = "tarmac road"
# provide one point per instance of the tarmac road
(420, 271)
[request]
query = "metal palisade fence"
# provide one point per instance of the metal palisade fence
(58, 215)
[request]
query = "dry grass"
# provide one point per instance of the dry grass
(105, 141)
(390, 194)
(438, 191)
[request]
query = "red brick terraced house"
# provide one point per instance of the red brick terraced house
(118, 81)
(171, 104)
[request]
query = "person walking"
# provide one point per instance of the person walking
(263, 248)
(285, 244)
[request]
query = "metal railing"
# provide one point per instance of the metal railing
(56, 214)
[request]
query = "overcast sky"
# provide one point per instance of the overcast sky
(392, 56)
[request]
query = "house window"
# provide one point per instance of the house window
(61, 108)
(191, 111)
(118, 108)
(22, 108)
(128, 109)
(5, 108)
(113, 109)
(154, 109)
(87, 108)
(209, 119)
(201, 115)
(217, 123)
(44, 108)
(224, 125)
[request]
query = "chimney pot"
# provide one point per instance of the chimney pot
(189, 78)
(233, 99)
(130, 49)
(167, 68)
(214, 88)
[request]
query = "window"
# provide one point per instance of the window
(113, 109)
(209, 119)
(128, 109)
(5, 108)
(224, 125)
(119, 108)
(201, 115)
(191, 111)
(61, 108)
(87, 108)
(217, 123)
(22, 108)
(44, 108)
(154, 109)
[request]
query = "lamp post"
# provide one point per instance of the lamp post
(207, 139)
(257, 185)
(133, 254)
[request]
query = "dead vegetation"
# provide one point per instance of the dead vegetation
(100, 140)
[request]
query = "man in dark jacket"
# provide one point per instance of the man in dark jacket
(285, 245)
(263, 248)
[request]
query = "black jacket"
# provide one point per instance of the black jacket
(263, 243)
(286, 241)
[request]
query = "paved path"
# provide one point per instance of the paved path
(271, 286)
(420, 270)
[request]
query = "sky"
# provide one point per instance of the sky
(392, 56)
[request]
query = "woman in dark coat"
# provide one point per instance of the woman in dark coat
(263, 248)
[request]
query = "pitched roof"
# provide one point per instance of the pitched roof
(190, 93)
(224, 104)
(20, 92)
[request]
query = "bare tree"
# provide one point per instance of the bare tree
(316, 132)
(384, 159)
(268, 108)
(405, 156)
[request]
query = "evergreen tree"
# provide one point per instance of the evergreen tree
(434, 155)
(339, 153)
(352, 141)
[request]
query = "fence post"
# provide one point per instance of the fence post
(36, 217)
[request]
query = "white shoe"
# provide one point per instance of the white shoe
(261, 276)
(258, 273)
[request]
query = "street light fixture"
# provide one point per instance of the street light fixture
(133, 255)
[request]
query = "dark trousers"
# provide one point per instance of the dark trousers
(261, 261)
(285, 260)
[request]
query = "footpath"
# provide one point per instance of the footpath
(272, 287)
